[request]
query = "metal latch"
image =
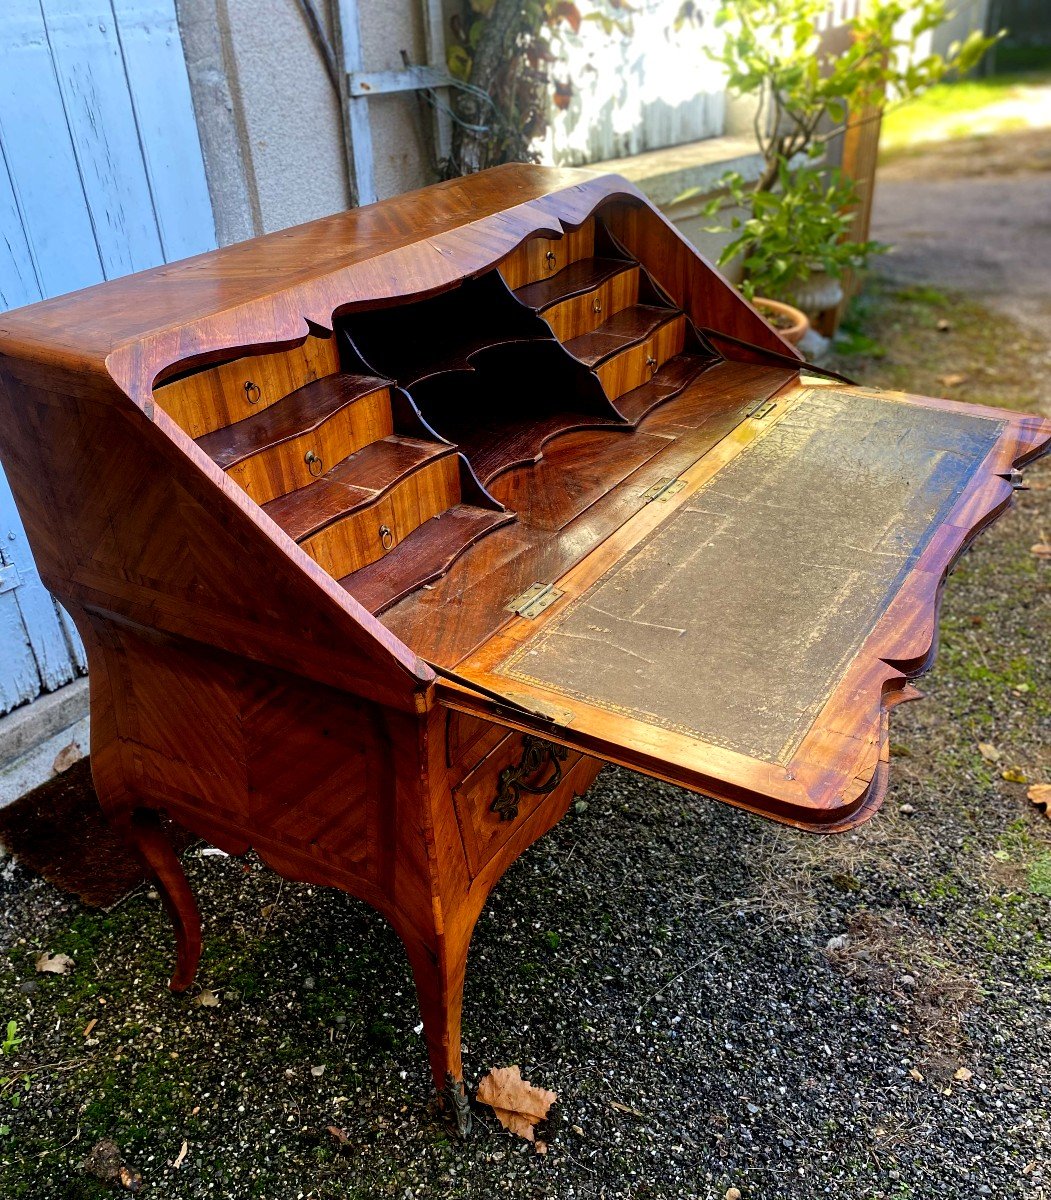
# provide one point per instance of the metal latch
(9, 577)
(1017, 480)
(532, 602)
(764, 410)
(662, 489)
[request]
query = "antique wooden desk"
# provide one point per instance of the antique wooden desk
(385, 532)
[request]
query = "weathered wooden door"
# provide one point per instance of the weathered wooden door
(101, 174)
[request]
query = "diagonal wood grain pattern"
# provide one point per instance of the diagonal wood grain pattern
(293, 493)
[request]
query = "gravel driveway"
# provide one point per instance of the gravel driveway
(719, 1003)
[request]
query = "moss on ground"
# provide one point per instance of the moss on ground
(661, 962)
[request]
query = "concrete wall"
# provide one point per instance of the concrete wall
(270, 119)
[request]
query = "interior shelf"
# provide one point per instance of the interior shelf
(502, 413)
(354, 482)
(668, 381)
(620, 331)
(579, 278)
(411, 342)
(423, 556)
(302, 411)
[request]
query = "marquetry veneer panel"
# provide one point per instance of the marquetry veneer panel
(296, 441)
(358, 539)
(217, 396)
(541, 257)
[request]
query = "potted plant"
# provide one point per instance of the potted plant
(791, 230)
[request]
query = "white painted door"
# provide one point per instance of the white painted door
(100, 174)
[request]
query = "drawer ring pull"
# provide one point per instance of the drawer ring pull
(597, 306)
(550, 259)
(650, 361)
(386, 537)
(314, 464)
(252, 392)
(512, 783)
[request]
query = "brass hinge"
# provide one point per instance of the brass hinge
(532, 602)
(662, 489)
(764, 410)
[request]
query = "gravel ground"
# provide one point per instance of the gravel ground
(719, 1003)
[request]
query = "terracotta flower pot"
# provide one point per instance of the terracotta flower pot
(789, 322)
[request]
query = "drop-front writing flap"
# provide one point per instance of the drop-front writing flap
(743, 636)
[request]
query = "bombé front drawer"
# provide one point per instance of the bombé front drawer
(511, 782)
(637, 364)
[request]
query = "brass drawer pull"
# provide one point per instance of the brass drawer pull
(535, 753)
(386, 537)
(314, 464)
(597, 306)
(550, 259)
(252, 392)
(650, 361)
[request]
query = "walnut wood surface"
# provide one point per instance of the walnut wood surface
(355, 481)
(289, 445)
(424, 555)
(213, 397)
(357, 539)
(625, 328)
(256, 697)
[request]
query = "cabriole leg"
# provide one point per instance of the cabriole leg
(146, 833)
(439, 975)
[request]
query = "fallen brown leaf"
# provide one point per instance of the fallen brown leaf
(517, 1103)
(988, 751)
(207, 999)
(129, 1179)
(1040, 794)
(1041, 550)
(54, 964)
(953, 379)
(338, 1134)
(963, 1074)
(943, 325)
(66, 757)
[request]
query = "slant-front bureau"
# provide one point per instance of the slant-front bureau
(385, 532)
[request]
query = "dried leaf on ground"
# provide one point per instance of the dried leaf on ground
(66, 757)
(953, 379)
(180, 1158)
(54, 964)
(963, 1074)
(1013, 775)
(130, 1180)
(1040, 794)
(988, 751)
(517, 1103)
(339, 1134)
(207, 999)
(1041, 550)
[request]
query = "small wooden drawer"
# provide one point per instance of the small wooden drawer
(367, 533)
(581, 314)
(298, 461)
(215, 397)
(510, 783)
(541, 257)
(467, 741)
(637, 364)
